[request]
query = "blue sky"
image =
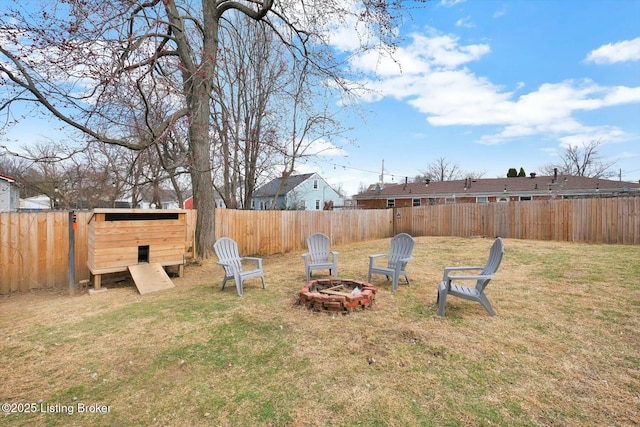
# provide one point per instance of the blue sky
(487, 85)
(490, 84)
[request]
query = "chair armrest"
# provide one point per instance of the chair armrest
(472, 277)
(228, 266)
(373, 257)
(447, 270)
(254, 259)
(224, 263)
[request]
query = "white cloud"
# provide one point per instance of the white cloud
(432, 75)
(423, 54)
(465, 22)
(450, 3)
(627, 50)
(321, 147)
(500, 13)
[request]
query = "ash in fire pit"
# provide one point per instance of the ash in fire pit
(342, 295)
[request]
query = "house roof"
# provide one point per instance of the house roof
(273, 187)
(565, 184)
(7, 178)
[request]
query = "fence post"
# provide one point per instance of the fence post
(72, 252)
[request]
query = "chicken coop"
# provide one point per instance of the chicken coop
(120, 239)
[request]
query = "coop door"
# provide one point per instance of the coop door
(143, 254)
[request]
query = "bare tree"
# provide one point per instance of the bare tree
(582, 160)
(442, 170)
(250, 76)
(76, 59)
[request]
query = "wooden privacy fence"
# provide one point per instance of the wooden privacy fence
(269, 232)
(34, 246)
(34, 249)
(597, 220)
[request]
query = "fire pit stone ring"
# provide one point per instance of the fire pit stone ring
(337, 295)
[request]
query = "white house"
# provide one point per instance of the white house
(9, 194)
(303, 192)
(35, 203)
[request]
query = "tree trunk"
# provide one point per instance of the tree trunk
(201, 180)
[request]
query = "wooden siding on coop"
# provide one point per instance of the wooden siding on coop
(119, 238)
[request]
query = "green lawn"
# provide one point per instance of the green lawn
(564, 348)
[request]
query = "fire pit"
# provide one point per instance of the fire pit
(341, 295)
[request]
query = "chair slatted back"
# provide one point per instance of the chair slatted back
(318, 246)
(401, 247)
(495, 257)
(227, 251)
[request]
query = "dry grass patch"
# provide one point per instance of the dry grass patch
(562, 350)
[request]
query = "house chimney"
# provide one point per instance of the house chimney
(532, 175)
(555, 174)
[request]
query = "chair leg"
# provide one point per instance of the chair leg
(263, 285)
(238, 281)
(224, 282)
(394, 286)
(486, 304)
(442, 298)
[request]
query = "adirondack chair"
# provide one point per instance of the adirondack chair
(227, 251)
(476, 293)
(319, 256)
(398, 257)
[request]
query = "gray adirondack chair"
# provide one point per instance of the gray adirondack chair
(227, 251)
(319, 255)
(447, 287)
(399, 255)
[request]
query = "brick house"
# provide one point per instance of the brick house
(492, 190)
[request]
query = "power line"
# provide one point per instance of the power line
(393, 175)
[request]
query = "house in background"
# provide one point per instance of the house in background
(302, 192)
(492, 190)
(188, 202)
(9, 194)
(36, 203)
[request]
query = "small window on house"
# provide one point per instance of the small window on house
(391, 203)
(524, 198)
(317, 205)
(482, 199)
(502, 199)
(450, 200)
(315, 184)
(433, 201)
(416, 202)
